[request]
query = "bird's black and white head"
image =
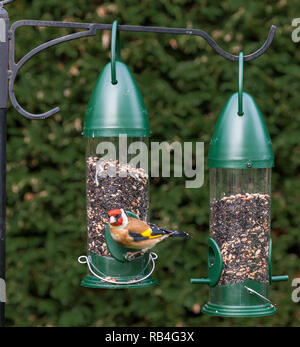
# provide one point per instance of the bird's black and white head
(118, 218)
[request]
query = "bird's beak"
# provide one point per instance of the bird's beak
(112, 219)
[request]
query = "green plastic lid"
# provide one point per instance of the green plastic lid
(116, 109)
(116, 106)
(241, 141)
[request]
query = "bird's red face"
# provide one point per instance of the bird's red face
(116, 217)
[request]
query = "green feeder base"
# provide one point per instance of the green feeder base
(239, 311)
(247, 299)
(121, 273)
(91, 281)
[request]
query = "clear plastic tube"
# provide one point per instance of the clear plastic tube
(114, 181)
(240, 205)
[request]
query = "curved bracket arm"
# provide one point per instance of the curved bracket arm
(5, 2)
(206, 37)
(14, 68)
(91, 30)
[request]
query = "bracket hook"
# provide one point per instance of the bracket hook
(115, 52)
(241, 77)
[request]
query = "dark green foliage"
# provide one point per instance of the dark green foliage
(185, 85)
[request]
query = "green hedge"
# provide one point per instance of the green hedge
(185, 85)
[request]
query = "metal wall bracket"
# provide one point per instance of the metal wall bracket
(90, 30)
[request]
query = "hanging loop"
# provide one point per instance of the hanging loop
(241, 77)
(115, 53)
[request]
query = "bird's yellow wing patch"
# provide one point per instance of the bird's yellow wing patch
(148, 233)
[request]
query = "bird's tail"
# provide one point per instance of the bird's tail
(171, 233)
(176, 233)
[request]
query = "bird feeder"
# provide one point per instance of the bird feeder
(115, 109)
(116, 125)
(240, 159)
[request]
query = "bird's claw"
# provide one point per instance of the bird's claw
(132, 255)
(129, 256)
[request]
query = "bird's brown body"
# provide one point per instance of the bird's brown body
(124, 236)
(136, 234)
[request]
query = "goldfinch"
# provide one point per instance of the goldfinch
(133, 233)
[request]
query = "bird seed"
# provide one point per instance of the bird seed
(240, 225)
(111, 185)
